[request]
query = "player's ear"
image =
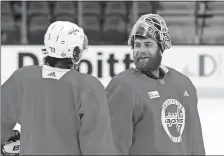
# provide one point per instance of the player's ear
(160, 51)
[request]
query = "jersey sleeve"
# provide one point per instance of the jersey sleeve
(9, 106)
(95, 136)
(197, 138)
(120, 101)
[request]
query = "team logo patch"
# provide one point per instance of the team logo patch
(162, 82)
(186, 93)
(173, 119)
(52, 74)
(153, 94)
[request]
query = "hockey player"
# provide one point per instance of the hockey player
(153, 108)
(61, 111)
(11, 147)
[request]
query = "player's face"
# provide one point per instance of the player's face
(147, 54)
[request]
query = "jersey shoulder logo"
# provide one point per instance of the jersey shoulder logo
(162, 82)
(173, 119)
(153, 94)
(186, 93)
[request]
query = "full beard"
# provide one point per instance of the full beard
(148, 64)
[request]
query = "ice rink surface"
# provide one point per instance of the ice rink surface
(211, 113)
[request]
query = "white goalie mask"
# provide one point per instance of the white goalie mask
(152, 26)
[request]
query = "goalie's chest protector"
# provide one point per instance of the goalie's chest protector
(164, 124)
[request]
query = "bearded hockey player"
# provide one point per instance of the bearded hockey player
(153, 108)
(61, 111)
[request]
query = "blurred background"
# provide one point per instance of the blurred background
(196, 29)
(109, 22)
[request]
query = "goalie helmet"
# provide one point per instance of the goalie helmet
(151, 26)
(62, 37)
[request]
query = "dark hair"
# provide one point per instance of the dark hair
(133, 40)
(141, 37)
(64, 63)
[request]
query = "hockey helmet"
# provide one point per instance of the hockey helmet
(151, 26)
(62, 37)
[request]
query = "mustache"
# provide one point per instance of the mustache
(143, 55)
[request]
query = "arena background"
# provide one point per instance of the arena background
(196, 30)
